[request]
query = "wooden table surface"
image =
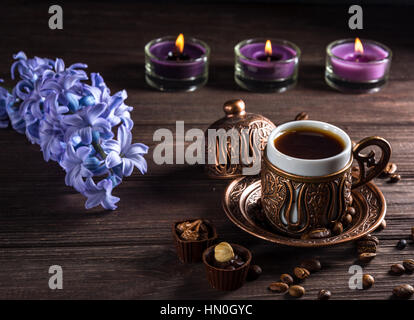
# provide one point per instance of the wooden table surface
(129, 253)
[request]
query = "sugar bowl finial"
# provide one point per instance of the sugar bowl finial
(234, 107)
(225, 155)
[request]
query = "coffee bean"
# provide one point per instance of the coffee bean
(324, 294)
(370, 237)
(366, 246)
(296, 291)
(397, 269)
(366, 243)
(337, 228)
(403, 291)
(302, 116)
(409, 265)
(394, 178)
(347, 219)
(382, 226)
(412, 233)
(312, 265)
(367, 281)
(390, 169)
(286, 278)
(278, 287)
(254, 272)
(301, 273)
(367, 249)
(401, 244)
(366, 257)
(351, 211)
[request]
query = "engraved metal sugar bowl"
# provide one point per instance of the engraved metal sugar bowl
(235, 143)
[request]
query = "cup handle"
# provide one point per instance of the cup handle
(373, 168)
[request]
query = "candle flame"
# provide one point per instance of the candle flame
(359, 48)
(179, 43)
(268, 48)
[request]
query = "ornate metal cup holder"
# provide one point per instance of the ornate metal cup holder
(241, 204)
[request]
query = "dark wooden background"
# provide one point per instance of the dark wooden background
(129, 253)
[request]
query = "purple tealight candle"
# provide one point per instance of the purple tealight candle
(355, 66)
(175, 65)
(266, 65)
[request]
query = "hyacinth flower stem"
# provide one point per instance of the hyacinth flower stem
(99, 149)
(101, 152)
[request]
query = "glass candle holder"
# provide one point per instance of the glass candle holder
(165, 74)
(348, 70)
(257, 69)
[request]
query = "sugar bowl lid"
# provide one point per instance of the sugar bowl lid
(224, 155)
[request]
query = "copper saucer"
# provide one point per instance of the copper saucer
(243, 208)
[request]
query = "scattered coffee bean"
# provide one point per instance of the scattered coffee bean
(409, 265)
(403, 291)
(394, 178)
(278, 287)
(254, 272)
(337, 228)
(286, 278)
(382, 226)
(367, 281)
(366, 246)
(367, 249)
(312, 265)
(301, 273)
(347, 219)
(370, 237)
(397, 269)
(351, 211)
(366, 257)
(324, 294)
(296, 291)
(390, 169)
(401, 244)
(302, 116)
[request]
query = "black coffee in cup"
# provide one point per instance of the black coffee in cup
(309, 143)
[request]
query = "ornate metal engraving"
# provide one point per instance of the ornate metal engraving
(242, 204)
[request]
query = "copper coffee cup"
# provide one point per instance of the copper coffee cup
(309, 198)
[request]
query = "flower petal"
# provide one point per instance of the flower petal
(140, 163)
(124, 138)
(111, 145)
(86, 135)
(82, 153)
(112, 159)
(95, 111)
(137, 148)
(127, 167)
(73, 120)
